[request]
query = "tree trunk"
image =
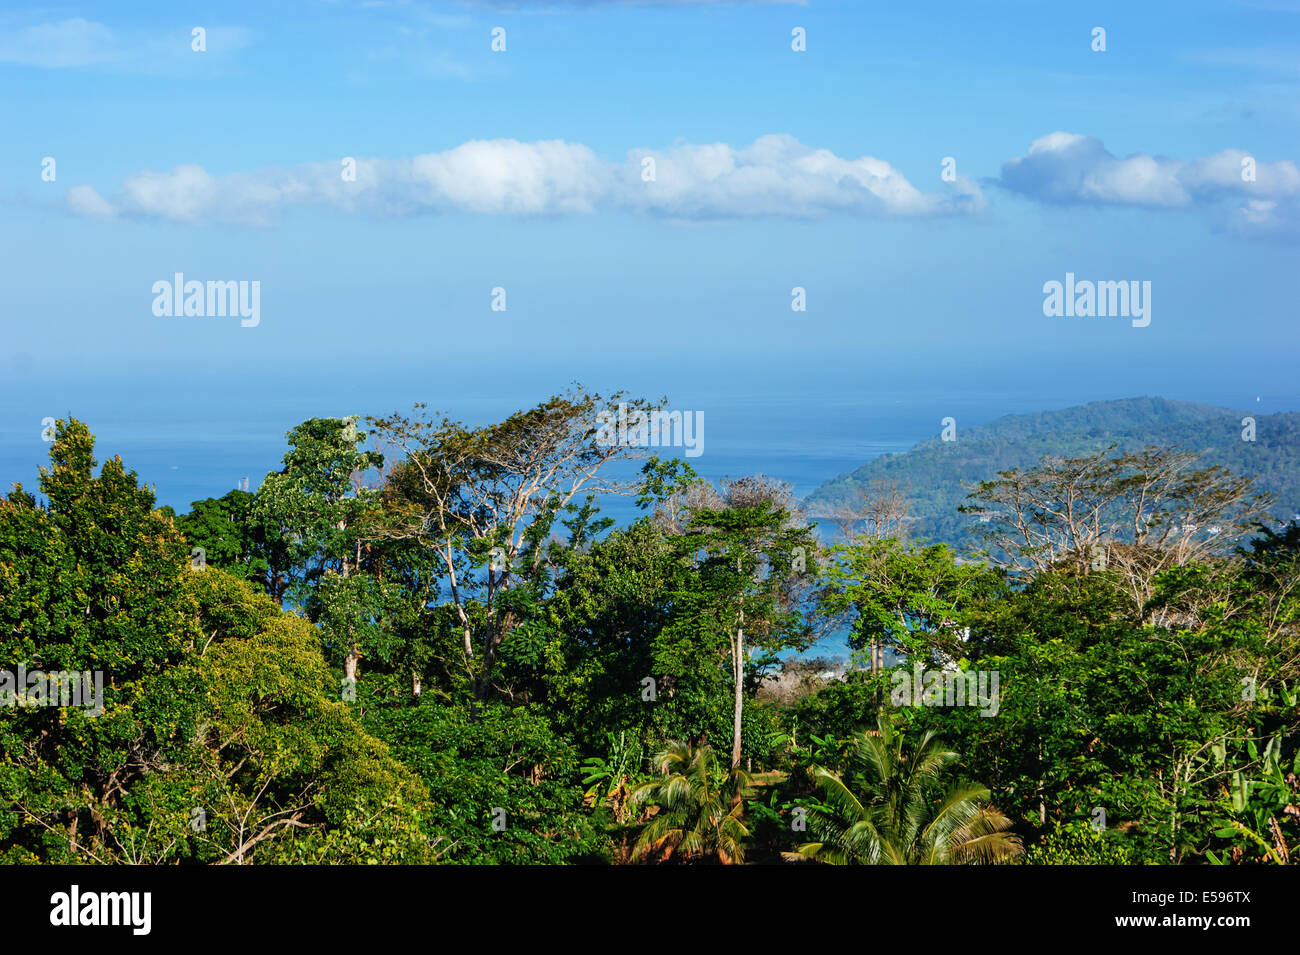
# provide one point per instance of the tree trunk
(1173, 812)
(738, 652)
(740, 696)
(1038, 788)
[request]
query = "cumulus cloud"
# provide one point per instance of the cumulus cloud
(1072, 169)
(776, 176)
(779, 176)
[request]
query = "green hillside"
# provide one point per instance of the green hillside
(936, 475)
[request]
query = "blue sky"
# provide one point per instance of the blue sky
(775, 168)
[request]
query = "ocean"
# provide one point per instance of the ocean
(199, 435)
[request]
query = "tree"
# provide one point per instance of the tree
(281, 767)
(902, 813)
(230, 539)
(876, 510)
(748, 556)
(479, 501)
(1146, 721)
(90, 583)
(699, 807)
(587, 652)
(1140, 513)
(311, 510)
(506, 788)
(220, 738)
(914, 598)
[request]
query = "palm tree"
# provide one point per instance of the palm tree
(904, 815)
(700, 807)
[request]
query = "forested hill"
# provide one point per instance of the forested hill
(936, 474)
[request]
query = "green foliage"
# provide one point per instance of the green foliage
(698, 808)
(308, 512)
(223, 527)
(740, 598)
(893, 805)
(1079, 843)
(937, 474)
(913, 599)
(222, 737)
(520, 658)
(93, 581)
(610, 778)
(477, 759)
(1260, 816)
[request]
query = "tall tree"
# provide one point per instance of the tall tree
(916, 599)
(480, 502)
(219, 738)
(1139, 512)
(313, 513)
(749, 556)
(91, 581)
(876, 510)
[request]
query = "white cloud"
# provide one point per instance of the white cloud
(85, 201)
(69, 43)
(508, 177)
(779, 176)
(1072, 169)
(77, 43)
(186, 194)
(776, 176)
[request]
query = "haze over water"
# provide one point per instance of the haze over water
(196, 434)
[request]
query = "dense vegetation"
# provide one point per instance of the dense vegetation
(418, 641)
(933, 476)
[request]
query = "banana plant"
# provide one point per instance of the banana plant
(1260, 811)
(606, 778)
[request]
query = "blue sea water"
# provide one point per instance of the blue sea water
(198, 435)
(192, 440)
